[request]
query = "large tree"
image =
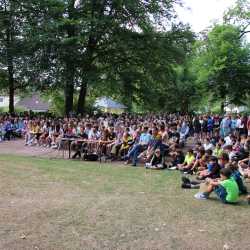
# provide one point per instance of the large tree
(101, 46)
(222, 64)
(10, 46)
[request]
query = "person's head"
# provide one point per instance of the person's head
(232, 166)
(154, 131)
(201, 151)
(225, 173)
(158, 152)
(228, 148)
(222, 141)
(224, 159)
(178, 152)
(162, 127)
(190, 152)
(213, 160)
(209, 152)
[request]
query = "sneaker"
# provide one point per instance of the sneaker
(186, 185)
(173, 168)
(185, 180)
(200, 196)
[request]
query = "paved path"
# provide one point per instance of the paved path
(17, 147)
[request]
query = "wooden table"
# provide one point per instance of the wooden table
(99, 143)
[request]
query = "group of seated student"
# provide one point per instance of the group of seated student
(11, 127)
(222, 143)
(219, 164)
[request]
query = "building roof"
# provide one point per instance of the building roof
(34, 103)
(105, 102)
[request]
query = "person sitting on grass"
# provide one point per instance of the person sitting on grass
(212, 171)
(126, 143)
(244, 167)
(223, 160)
(155, 142)
(188, 162)
(236, 175)
(177, 157)
(2, 131)
(226, 188)
(157, 162)
(200, 160)
(142, 145)
(218, 151)
(229, 150)
(208, 144)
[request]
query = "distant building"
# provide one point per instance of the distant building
(34, 103)
(4, 101)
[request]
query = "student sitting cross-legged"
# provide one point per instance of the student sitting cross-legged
(157, 161)
(188, 162)
(226, 188)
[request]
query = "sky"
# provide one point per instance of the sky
(202, 13)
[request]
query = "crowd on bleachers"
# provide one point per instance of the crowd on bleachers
(213, 148)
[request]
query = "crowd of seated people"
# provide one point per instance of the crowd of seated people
(219, 162)
(154, 141)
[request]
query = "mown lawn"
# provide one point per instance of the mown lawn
(62, 204)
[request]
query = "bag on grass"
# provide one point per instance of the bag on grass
(90, 157)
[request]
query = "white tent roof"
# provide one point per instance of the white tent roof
(105, 102)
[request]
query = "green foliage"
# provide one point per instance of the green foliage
(221, 63)
(131, 50)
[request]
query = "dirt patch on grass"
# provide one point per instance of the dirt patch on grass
(17, 147)
(56, 205)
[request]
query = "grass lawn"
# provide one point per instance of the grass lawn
(61, 204)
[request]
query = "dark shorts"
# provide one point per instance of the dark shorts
(222, 194)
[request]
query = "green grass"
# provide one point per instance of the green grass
(61, 204)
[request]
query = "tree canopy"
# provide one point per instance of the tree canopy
(134, 51)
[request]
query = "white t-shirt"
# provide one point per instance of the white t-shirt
(208, 146)
(228, 141)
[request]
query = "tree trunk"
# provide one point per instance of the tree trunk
(11, 94)
(69, 89)
(222, 107)
(11, 81)
(128, 93)
(70, 68)
(9, 36)
(82, 99)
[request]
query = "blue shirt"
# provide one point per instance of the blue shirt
(145, 138)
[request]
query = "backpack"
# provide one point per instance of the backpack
(90, 157)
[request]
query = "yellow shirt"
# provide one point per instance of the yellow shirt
(189, 159)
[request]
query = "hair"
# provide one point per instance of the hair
(202, 151)
(224, 156)
(209, 152)
(214, 159)
(232, 166)
(228, 147)
(227, 172)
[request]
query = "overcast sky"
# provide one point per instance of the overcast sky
(201, 13)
